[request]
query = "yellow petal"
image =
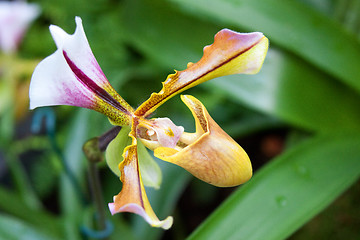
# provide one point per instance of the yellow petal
(231, 53)
(209, 154)
(132, 197)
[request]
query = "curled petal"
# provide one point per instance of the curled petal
(132, 197)
(231, 53)
(209, 154)
(72, 76)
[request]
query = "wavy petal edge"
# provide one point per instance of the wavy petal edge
(231, 53)
(132, 197)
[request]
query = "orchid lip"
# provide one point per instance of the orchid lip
(87, 82)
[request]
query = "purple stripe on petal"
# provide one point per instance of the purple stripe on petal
(90, 84)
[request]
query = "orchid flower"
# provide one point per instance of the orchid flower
(72, 76)
(15, 18)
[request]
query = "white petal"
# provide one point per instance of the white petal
(53, 83)
(15, 18)
(78, 50)
(56, 80)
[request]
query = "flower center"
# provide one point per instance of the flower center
(159, 132)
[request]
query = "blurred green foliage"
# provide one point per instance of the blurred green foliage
(307, 93)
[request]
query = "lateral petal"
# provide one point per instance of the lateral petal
(72, 76)
(132, 197)
(231, 53)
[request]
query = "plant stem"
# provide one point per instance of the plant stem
(341, 10)
(97, 195)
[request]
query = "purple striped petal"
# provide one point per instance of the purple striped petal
(72, 76)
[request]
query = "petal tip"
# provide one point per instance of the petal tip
(58, 35)
(167, 223)
(78, 20)
(135, 208)
(112, 208)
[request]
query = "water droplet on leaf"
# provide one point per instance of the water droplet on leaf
(281, 201)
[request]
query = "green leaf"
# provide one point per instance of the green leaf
(115, 150)
(72, 197)
(288, 191)
(167, 41)
(149, 169)
(121, 229)
(11, 203)
(12, 229)
(313, 36)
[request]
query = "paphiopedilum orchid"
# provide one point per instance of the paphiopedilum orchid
(72, 76)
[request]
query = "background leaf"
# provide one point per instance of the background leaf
(72, 180)
(13, 229)
(293, 91)
(308, 177)
(44, 222)
(312, 36)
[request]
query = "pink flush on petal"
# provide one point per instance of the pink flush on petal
(160, 131)
(134, 208)
(15, 18)
(78, 50)
(91, 85)
(72, 76)
(53, 83)
(168, 134)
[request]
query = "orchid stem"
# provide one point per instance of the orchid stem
(50, 122)
(93, 150)
(341, 10)
(105, 227)
(97, 195)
